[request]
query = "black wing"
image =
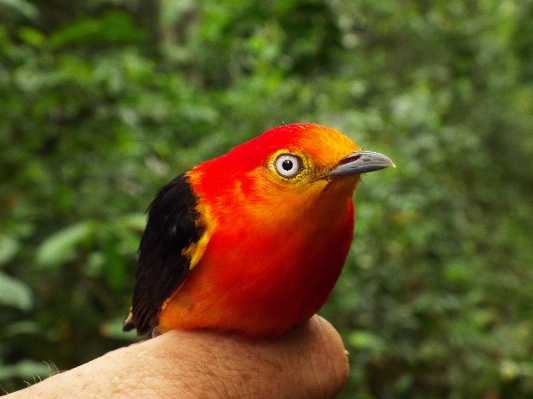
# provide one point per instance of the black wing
(173, 225)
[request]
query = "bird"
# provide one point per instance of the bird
(251, 242)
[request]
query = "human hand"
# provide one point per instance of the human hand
(308, 362)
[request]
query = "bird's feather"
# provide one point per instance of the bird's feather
(168, 245)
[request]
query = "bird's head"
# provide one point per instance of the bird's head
(297, 160)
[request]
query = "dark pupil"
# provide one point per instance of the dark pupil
(287, 165)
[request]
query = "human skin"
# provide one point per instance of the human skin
(308, 362)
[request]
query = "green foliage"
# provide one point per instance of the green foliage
(14, 293)
(102, 103)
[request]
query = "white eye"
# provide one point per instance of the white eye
(288, 165)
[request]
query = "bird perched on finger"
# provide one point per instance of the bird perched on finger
(252, 241)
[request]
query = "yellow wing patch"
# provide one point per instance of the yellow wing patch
(196, 250)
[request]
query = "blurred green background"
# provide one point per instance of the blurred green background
(103, 101)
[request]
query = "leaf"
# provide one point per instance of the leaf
(135, 221)
(365, 340)
(21, 327)
(23, 7)
(59, 247)
(15, 293)
(111, 28)
(32, 36)
(112, 329)
(28, 369)
(8, 248)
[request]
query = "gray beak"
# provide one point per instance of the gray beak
(359, 162)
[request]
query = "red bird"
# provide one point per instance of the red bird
(252, 241)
